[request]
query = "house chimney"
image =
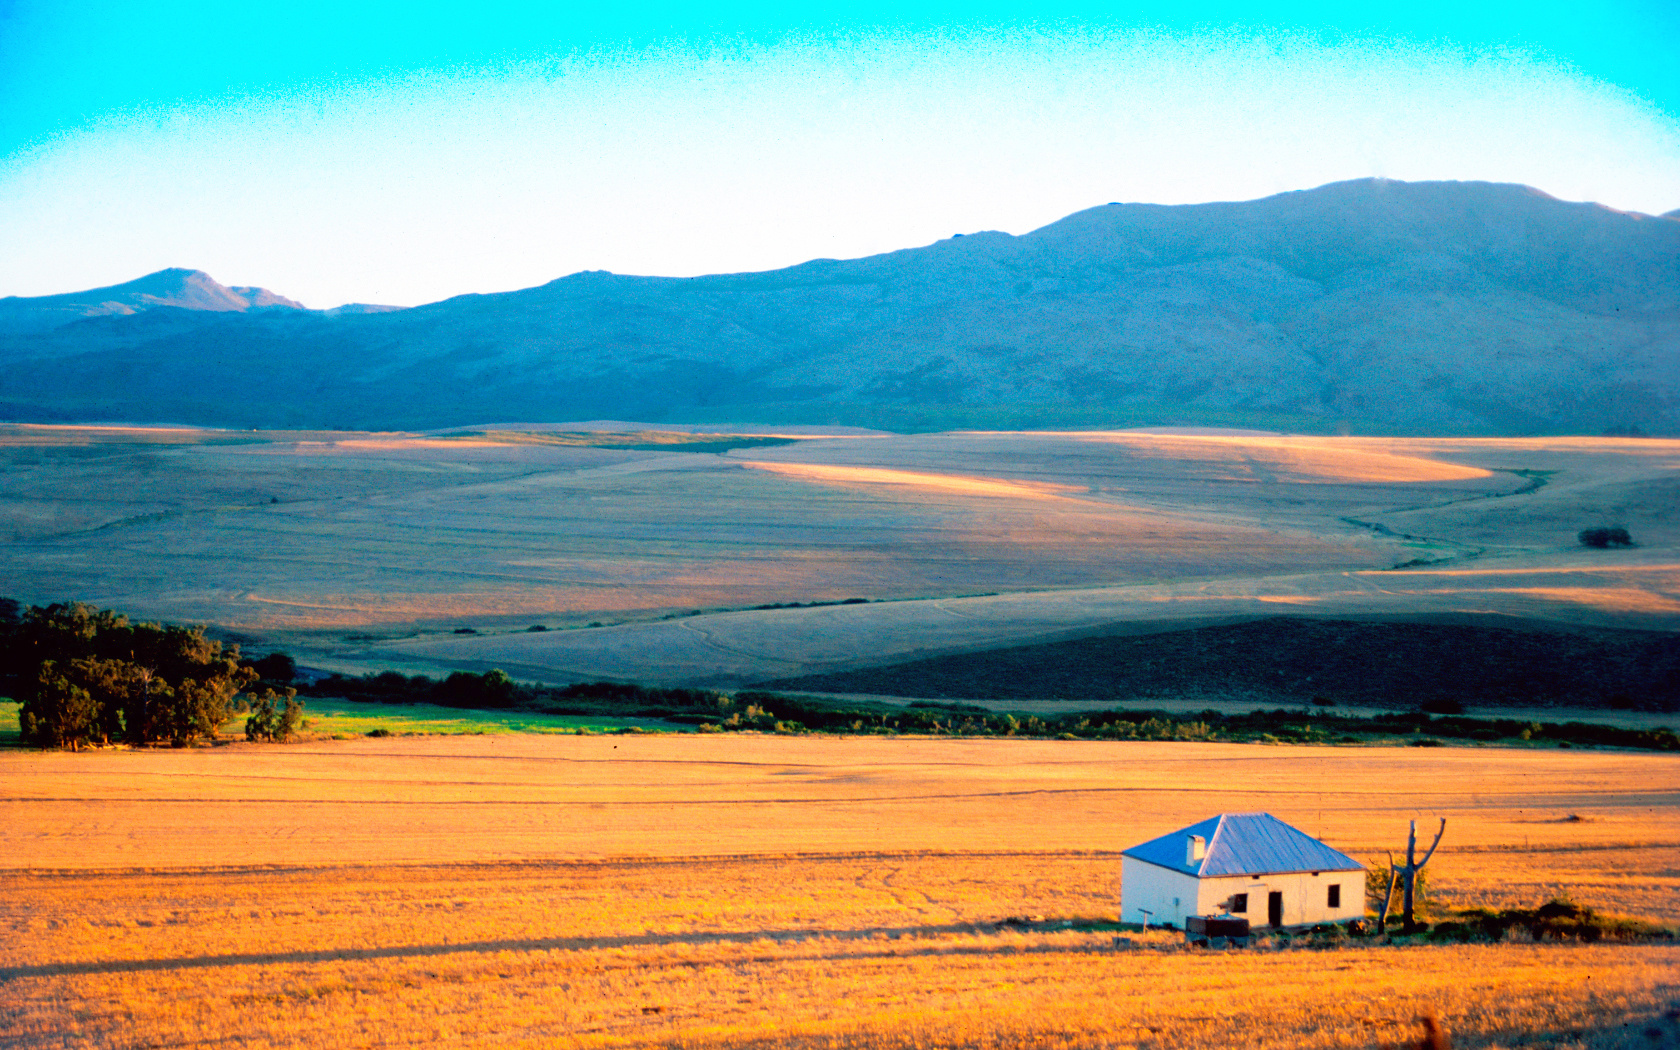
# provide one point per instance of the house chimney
(1195, 848)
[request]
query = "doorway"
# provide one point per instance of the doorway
(1274, 908)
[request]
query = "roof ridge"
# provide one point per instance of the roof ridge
(1247, 843)
(1213, 840)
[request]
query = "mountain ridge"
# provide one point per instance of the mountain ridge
(175, 287)
(1474, 308)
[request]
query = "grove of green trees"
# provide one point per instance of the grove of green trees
(89, 676)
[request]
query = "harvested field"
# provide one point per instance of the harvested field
(798, 892)
(361, 551)
(867, 950)
(476, 799)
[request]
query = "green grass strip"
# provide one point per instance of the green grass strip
(349, 718)
(346, 718)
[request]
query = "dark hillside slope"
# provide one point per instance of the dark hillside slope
(1291, 660)
(1467, 308)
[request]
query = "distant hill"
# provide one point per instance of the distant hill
(174, 288)
(1373, 306)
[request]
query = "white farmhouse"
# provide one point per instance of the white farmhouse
(1251, 865)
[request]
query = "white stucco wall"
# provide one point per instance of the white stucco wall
(1305, 895)
(1169, 895)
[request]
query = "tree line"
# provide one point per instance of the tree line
(711, 710)
(91, 676)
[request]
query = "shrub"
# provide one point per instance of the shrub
(1559, 919)
(1452, 931)
(1328, 935)
(1605, 537)
(1376, 881)
(274, 717)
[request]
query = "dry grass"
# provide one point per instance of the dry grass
(525, 797)
(417, 891)
(795, 952)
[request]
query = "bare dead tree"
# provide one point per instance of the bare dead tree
(1388, 895)
(1408, 874)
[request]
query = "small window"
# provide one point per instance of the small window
(1239, 903)
(1336, 895)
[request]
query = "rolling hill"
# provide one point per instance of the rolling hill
(1369, 306)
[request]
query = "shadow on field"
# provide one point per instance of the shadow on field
(541, 944)
(1488, 660)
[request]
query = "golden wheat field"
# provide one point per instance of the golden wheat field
(684, 890)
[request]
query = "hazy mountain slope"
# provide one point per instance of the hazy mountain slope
(1422, 307)
(174, 288)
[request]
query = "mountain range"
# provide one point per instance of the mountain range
(1368, 306)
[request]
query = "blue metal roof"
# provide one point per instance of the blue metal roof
(1244, 844)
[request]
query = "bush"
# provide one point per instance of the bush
(1605, 537)
(274, 717)
(1376, 881)
(1452, 931)
(1559, 919)
(1328, 935)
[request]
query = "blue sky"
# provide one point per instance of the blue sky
(386, 152)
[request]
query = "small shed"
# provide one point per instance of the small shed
(1251, 865)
